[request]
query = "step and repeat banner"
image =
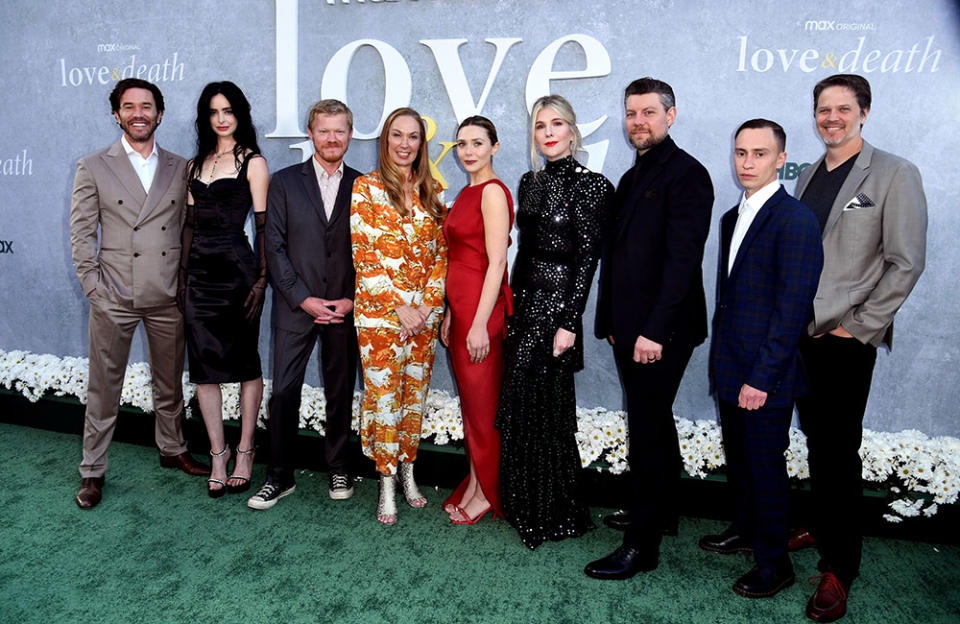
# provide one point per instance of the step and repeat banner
(450, 59)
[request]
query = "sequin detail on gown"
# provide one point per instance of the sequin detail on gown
(559, 244)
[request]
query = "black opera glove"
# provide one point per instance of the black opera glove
(254, 302)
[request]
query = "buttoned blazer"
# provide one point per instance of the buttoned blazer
(308, 255)
(135, 257)
(651, 281)
(764, 304)
(874, 251)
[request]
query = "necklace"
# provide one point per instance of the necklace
(216, 159)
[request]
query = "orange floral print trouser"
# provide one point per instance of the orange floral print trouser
(396, 376)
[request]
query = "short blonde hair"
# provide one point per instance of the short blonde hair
(330, 107)
(562, 107)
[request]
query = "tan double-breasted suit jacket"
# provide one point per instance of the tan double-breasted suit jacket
(126, 248)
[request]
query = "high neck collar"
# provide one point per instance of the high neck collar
(653, 154)
(567, 162)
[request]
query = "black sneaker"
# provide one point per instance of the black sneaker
(341, 486)
(268, 495)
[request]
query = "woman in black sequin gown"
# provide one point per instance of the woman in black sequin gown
(222, 282)
(559, 244)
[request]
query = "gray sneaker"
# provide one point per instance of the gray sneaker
(268, 495)
(341, 486)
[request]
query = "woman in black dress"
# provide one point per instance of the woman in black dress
(560, 208)
(222, 282)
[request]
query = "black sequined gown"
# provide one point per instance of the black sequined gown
(559, 223)
(222, 346)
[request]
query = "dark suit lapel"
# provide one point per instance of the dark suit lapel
(859, 172)
(311, 187)
(727, 225)
(166, 165)
(640, 186)
(759, 221)
(118, 162)
(344, 194)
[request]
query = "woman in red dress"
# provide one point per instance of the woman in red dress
(478, 233)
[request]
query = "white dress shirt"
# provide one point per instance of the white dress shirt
(749, 207)
(146, 168)
(329, 185)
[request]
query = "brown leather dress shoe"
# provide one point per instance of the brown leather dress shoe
(829, 601)
(800, 538)
(186, 463)
(91, 491)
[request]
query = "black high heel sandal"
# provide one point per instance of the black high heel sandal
(243, 487)
(220, 491)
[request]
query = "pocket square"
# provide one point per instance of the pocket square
(860, 201)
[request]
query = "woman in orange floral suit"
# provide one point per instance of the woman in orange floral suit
(396, 221)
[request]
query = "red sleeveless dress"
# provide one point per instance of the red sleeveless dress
(478, 383)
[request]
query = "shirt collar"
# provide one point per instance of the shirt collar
(756, 201)
(322, 173)
(129, 148)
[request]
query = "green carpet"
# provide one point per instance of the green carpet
(157, 549)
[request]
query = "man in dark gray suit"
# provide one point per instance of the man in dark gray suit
(873, 216)
(311, 267)
(125, 218)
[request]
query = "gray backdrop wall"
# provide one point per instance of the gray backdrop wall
(452, 58)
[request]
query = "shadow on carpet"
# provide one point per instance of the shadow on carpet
(157, 549)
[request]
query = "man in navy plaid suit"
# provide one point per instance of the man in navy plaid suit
(770, 262)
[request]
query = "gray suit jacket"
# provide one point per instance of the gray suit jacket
(874, 246)
(136, 258)
(308, 254)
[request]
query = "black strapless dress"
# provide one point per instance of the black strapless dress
(222, 346)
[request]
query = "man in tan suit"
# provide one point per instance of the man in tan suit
(134, 193)
(873, 217)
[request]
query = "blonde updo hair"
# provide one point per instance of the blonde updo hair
(565, 111)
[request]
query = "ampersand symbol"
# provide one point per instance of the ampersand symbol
(829, 61)
(434, 170)
(116, 74)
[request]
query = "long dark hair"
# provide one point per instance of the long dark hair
(245, 135)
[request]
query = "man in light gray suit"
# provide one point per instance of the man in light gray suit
(133, 193)
(873, 216)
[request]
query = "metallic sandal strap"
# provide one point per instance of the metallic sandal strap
(387, 504)
(409, 486)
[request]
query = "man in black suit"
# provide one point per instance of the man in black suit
(652, 309)
(311, 266)
(770, 262)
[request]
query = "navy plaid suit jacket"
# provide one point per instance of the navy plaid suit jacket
(764, 305)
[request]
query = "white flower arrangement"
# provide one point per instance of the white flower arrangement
(921, 472)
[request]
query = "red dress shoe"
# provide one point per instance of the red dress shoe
(91, 491)
(465, 519)
(801, 538)
(829, 601)
(184, 462)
